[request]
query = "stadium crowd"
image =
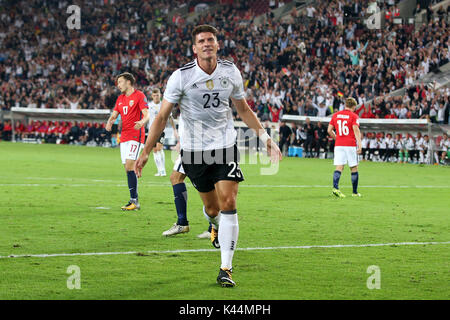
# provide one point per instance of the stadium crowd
(301, 68)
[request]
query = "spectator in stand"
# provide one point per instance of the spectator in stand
(7, 131)
(309, 143)
(444, 150)
(373, 146)
(285, 136)
(322, 141)
(364, 145)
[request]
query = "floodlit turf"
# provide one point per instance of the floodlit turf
(67, 199)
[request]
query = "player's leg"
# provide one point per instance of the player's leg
(180, 198)
(157, 158)
(226, 191)
(132, 180)
(355, 178)
(352, 160)
(211, 212)
(339, 162)
(162, 157)
(129, 152)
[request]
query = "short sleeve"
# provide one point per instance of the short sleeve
(173, 90)
(356, 120)
(238, 85)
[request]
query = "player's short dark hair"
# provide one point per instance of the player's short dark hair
(203, 28)
(128, 76)
(156, 90)
(350, 102)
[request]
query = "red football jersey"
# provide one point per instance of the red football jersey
(343, 122)
(130, 109)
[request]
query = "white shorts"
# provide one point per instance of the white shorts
(345, 155)
(130, 150)
(178, 166)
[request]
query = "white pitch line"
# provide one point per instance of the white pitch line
(216, 250)
(150, 184)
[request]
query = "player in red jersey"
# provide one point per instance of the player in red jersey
(133, 109)
(347, 145)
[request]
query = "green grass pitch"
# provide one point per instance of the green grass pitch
(66, 199)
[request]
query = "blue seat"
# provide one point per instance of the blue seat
(298, 152)
(295, 152)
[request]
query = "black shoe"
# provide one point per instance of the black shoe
(224, 278)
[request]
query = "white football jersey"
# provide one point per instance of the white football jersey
(444, 144)
(390, 143)
(153, 109)
(206, 116)
(419, 143)
(409, 143)
(364, 143)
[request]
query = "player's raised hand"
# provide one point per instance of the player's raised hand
(138, 125)
(140, 164)
(108, 126)
(273, 151)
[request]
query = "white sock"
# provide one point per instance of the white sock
(213, 220)
(228, 236)
(162, 158)
(156, 158)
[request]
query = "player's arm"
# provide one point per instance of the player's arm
(330, 131)
(139, 124)
(172, 123)
(154, 133)
(111, 120)
(358, 138)
(250, 119)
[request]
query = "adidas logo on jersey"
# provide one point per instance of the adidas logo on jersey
(194, 86)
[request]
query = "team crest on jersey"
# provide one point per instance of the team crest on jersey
(210, 84)
(131, 103)
(224, 82)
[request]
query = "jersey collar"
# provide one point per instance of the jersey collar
(203, 71)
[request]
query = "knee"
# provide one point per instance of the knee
(176, 178)
(228, 203)
(212, 210)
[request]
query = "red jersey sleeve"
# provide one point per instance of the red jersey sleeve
(143, 103)
(355, 119)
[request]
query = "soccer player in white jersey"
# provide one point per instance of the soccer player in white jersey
(399, 147)
(158, 151)
(209, 153)
(364, 145)
(382, 145)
